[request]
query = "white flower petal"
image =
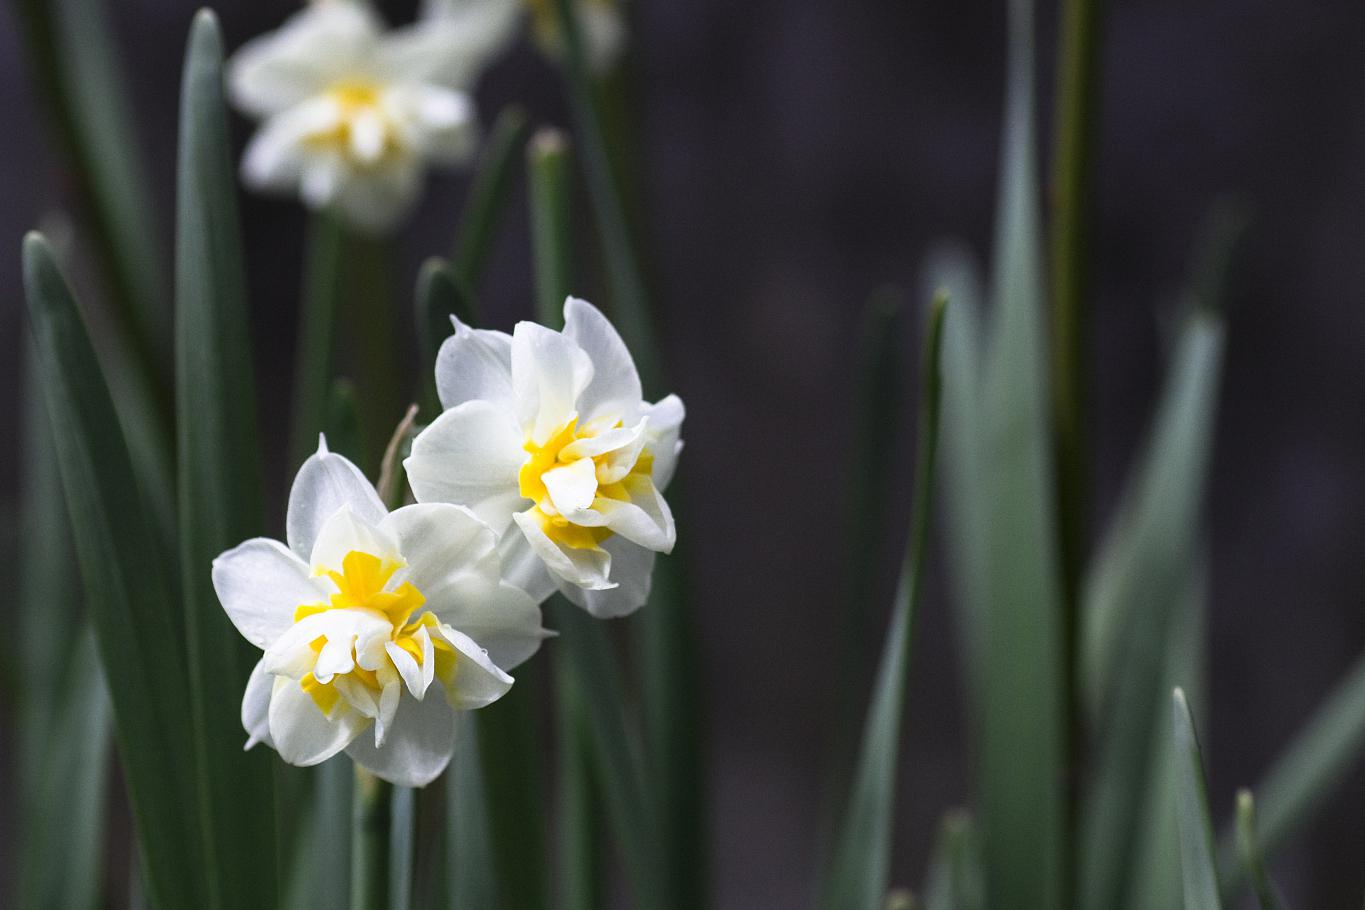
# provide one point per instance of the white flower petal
(436, 123)
(584, 568)
(470, 456)
(645, 519)
(503, 619)
(632, 568)
(572, 486)
(549, 373)
(375, 198)
(417, 747)
(368, 135)
(303, 735)
(665, 425)
(604, 33)
(256, 706)
(260, 583)
(452, 44)
(441, 543)
(324, 484)
(478, 681)
(615, 388)
(315, 47)
(407, 668)
(346, 532)
(522, 568)
(475, 364)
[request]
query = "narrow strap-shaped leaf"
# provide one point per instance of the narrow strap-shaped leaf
(1249, 848)
(1155, 881)
(579, 835)
(219, 480)
(471, 878)
(616, 747)
(128, 586)
(1199, 868)
(488, 193)
(954, 881)
(879, 389)
(74, 53)
(862, 856)
(1022, 710)
(402, 831)
(1318, 760)
(1131, 597)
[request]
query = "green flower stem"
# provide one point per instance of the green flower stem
(548, 162)
(374, 341)
(488, 193)
(314, 357)
(371, 820)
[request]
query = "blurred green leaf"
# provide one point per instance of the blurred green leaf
(441, 293)
(1129, 604)
(862, 858)
(219, 480)
(1021, 712)
(1155, 881)
(1318, 760)
(318, 877)
(128, 584)
(73, 52)
(879, 387)
(488, 194)
(1197, 862)
(1250, 850)
(955, 868)
(580, 847)
(402, 830)
(472, 881)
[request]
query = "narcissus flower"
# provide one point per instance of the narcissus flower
(376, 626)
(545, 436)
(353, 114)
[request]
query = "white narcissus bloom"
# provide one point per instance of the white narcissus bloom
(353, 114)
(376, 626)
(546, 438)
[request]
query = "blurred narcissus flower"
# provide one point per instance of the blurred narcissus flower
(547, 430)
(362, 615)
(353, 113)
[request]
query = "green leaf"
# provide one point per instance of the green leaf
(580, 847)
(1198, 865)
(1130, 602)
(616, 748)
(472, 881)
(955, 868)
(74, 53)
(1021, 710)
(318, 875)
(862, 858)
(1155, 879)
(402, 830)
(1248, 846)
(66, 812)
(488, 194)
(219, 480)
(127, 579)
(1318, 760)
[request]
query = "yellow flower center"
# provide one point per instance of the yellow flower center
(542, 457)
(361, 585)
(355, 99)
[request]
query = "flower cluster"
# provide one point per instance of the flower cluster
(353, 112)
(544, 472)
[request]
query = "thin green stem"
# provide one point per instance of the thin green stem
(371, 820)
(547, 162)
(1072, 187)
(488, 193)
(314, 361)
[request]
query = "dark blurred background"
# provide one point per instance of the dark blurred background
(791, 158)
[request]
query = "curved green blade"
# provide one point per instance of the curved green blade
(1199, 869)
(954, 881)
(127, 580)
(862, 858)
(1249, 847)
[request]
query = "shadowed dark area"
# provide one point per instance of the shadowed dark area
(791, 158)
